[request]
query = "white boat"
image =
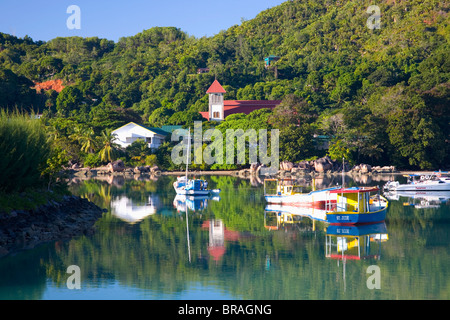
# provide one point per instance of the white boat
(288, 193)
(433, 182)
(291, 195)
(192, 187)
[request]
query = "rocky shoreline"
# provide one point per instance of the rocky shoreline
(24, 229)
(320, 166)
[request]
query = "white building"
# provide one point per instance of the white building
(131, 132)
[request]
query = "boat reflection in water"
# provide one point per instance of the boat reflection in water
(277, 216)
(133, 211)
(421, 199)
(352, 242)
(355, 242)
(193, 203)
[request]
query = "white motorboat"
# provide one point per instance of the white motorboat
(433, 182)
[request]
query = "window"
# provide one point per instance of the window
(216, 98)
(148, 139)
(216, 114)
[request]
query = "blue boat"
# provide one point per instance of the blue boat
(357, 206)
(192, 187)
(357, 231)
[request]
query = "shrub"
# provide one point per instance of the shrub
(24, 151)
(92, 160)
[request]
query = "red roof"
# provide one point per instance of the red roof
(216, 88)
(354, 190)
(244, 106)
(205, 114)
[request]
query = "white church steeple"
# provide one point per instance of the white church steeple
(216, 110)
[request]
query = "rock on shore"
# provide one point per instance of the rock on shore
(71, 217)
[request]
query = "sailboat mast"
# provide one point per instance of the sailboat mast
(188, 153)
(342, 192)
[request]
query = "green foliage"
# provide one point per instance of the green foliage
(335, 76)
(55, 162)
(92, 160)
(68, 100)
(15, 91)
(339, 151)
(24, 150)
(109, 149)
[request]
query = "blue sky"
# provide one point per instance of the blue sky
(45, 19)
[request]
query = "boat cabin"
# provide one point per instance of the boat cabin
(357, 199)
(283, 187)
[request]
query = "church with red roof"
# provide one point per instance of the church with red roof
(219, 108)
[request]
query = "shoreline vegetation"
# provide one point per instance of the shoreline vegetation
(35, 204)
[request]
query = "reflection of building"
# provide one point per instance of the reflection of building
(218, 234)
(128, 210)
(216, 246)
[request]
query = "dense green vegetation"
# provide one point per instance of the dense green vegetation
(24, 151)
(29, 164)
(381, 95)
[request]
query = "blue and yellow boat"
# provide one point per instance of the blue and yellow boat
(356, 205)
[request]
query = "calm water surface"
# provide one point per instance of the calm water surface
(146, 247)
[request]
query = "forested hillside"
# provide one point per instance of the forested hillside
(381, 95)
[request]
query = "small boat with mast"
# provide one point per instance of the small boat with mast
(357, 205)
(290, 194)
(340, 205)
(192, 187)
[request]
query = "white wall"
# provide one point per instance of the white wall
(216, 108)
(129, 133)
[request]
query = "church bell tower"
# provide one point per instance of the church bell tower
(216, 109)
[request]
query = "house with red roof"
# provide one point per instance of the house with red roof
(219, 108)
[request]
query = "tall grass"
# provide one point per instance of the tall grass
(24, 151)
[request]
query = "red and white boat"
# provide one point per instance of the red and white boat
(287, 193)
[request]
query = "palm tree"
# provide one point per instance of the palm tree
(86, 137)
(109, 148)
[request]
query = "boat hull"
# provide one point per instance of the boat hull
(193, 192)
(310, 212)
(315, 199)
(357, 231)
(193, 188)
(430, 187)
(352, 218)
(425, 185)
